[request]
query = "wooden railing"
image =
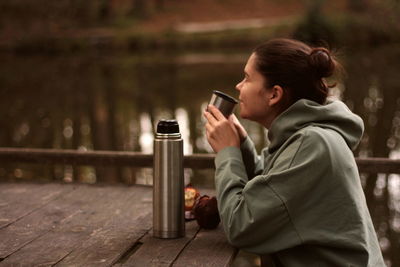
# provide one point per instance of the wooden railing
(136, 159)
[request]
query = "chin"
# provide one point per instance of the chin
(243, 115)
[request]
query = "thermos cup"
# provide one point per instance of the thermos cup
(223, 102)
(168, 184)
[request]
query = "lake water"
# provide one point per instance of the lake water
(112, 101)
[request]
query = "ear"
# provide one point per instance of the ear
(276, 95)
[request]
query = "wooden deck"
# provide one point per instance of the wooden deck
(93, 225)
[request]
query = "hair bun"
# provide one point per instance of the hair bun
(321, 62)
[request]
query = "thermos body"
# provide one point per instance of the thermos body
(168, 186)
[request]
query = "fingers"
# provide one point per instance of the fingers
(216, 113)
(210, 118)
(209, 128)
(216, 119)
(239, 127)
(233, 118)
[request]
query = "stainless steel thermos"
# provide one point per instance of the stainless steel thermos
(168, 184)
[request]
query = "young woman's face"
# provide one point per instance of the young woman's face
(253, 95)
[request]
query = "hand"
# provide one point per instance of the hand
(220, 131)
(239, 127)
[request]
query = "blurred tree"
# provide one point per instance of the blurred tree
(357, 5)
(315, 29)
(160, 5)
(139, 9)
(105, 10)
(377, 24)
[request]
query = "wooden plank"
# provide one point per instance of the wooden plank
(102, 226)
(137, 159)
(208, 248)
(116, 235)
(69, 156)
(160, 252)
(20, 199)
(199, 161)
(164, 252)
(22, 232)
(96, 210)
(378, 165)
(104, 247)
(113, 158)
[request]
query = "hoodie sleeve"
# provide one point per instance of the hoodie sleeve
(255, 213)
(252, 161)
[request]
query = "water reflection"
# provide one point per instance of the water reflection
(146, 138)
(113, 102)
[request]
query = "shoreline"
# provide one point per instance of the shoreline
(347, 29)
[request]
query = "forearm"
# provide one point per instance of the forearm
(251, 159)
(251, 213)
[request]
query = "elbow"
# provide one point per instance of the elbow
(235, 243)
(234, 240)
(236, 237)
(237, 228)
(244, 235)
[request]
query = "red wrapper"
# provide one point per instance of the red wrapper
(191, 196)
(206, 212)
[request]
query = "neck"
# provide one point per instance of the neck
(267, 122)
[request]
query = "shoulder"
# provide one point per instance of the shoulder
(308, 138)
(322, 141)
(308, 146)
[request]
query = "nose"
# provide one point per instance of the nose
(239, 85)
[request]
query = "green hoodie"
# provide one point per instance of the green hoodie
(301, 201)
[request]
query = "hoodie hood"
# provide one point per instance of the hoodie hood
(333, 115)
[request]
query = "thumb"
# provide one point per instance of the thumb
(239, 127)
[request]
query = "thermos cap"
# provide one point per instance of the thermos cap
(167, 127)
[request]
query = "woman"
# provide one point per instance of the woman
(301, 201)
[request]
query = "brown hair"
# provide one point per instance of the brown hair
(298, 68)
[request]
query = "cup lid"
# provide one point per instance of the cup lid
(226, 97)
